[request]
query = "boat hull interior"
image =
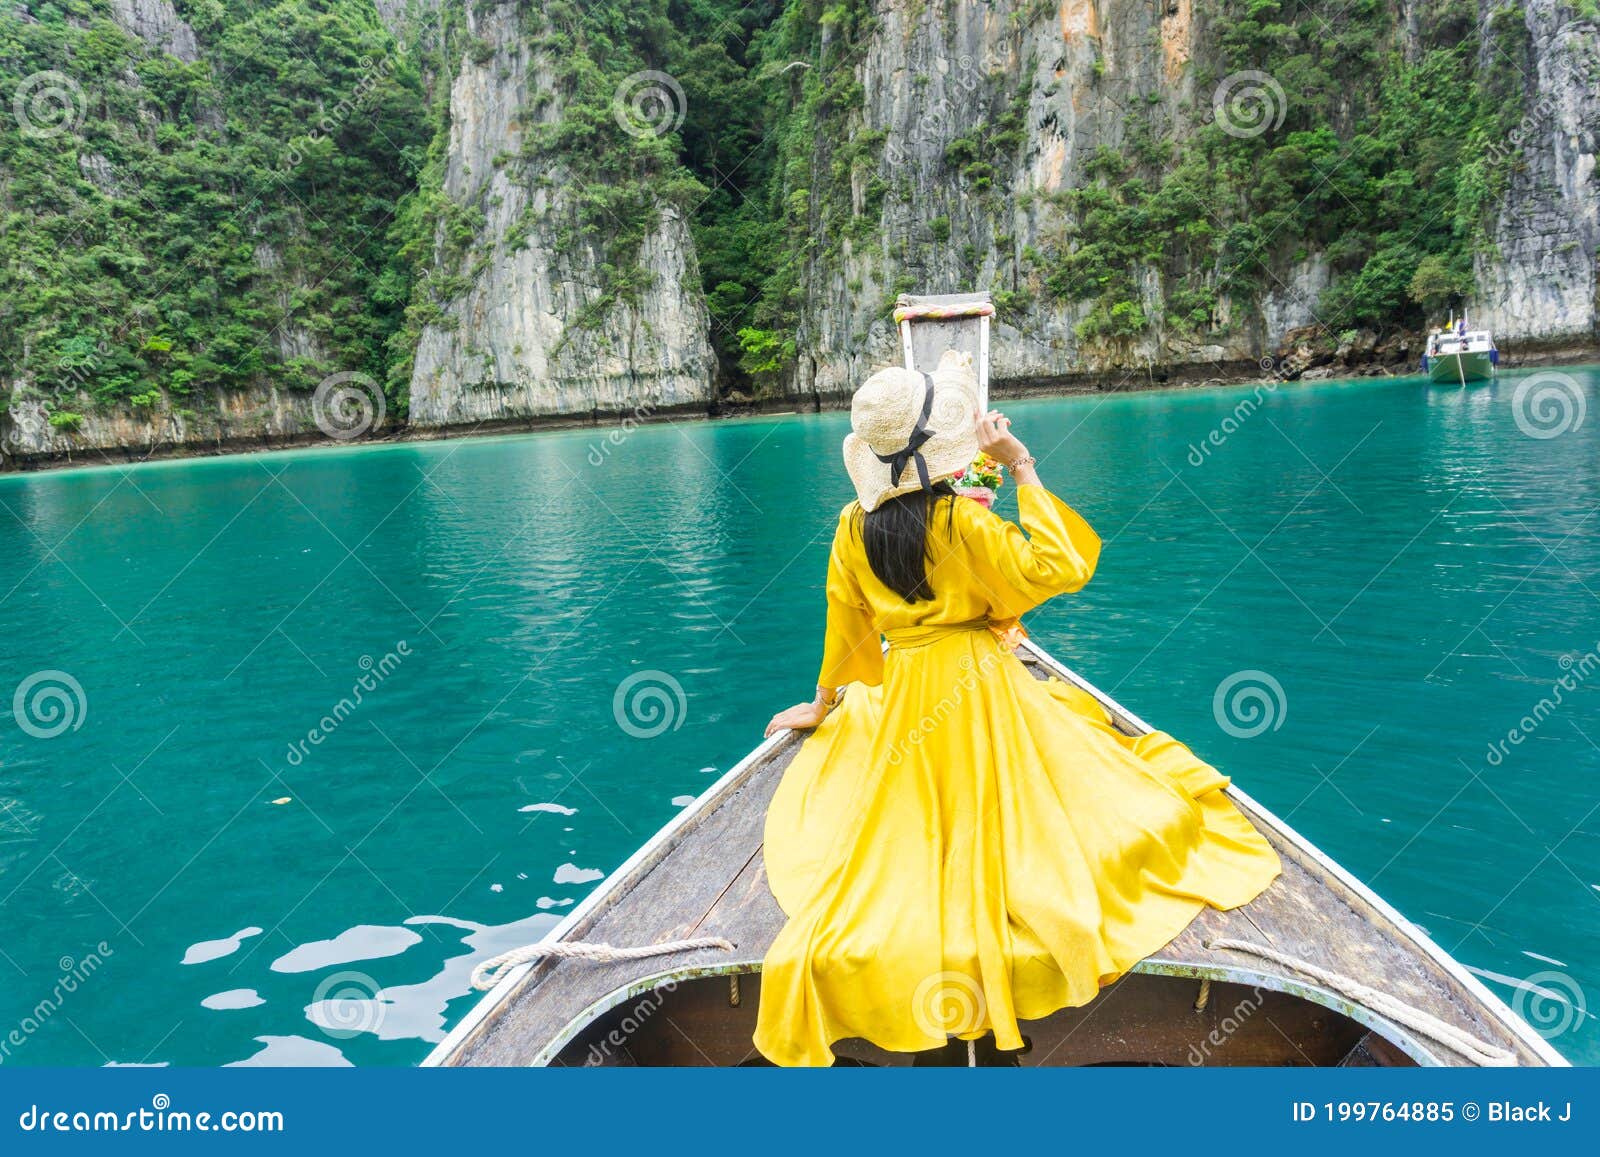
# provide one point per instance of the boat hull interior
(1144, 1019)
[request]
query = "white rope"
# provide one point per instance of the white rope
(489, 973)
(1478, 1051)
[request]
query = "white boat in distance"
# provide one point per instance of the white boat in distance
(1458, 354)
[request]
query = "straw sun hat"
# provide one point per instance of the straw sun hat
(911, 429)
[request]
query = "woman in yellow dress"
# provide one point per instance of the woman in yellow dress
(958, 845)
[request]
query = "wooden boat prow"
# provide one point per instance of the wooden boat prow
(1191, 1003)
(703, 875)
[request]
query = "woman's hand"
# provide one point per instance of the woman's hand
(800, 717)
(996, 439)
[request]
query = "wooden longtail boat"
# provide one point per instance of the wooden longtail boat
(1316, 971)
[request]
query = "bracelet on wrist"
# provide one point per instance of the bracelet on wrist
(1026, 460)
(828, 695)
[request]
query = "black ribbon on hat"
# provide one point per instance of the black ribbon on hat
(913, 451)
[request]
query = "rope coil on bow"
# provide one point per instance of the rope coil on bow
(1479, 1052)
(490, 972)
(913, 450)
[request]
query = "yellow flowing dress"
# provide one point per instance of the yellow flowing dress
(960, 846)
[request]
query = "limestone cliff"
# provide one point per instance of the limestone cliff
(1078, 77)
(157, 23)
(535, 332)
(1536, 285)
(1069, 156)
(938, 75)
(232, 419)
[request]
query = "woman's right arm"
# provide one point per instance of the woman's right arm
(1059, 552)
(996, 440)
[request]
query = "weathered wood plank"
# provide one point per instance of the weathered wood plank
(924, 341)
(1302, 916)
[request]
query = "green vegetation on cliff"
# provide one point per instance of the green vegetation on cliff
(1390, 180)
(172, 227)
(1387, 178)
(763, 88)
(696, 143)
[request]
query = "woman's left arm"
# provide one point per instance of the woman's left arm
(803, 716)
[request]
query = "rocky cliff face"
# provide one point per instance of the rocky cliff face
(961, 135)
(1537, 285)
(231, 419)
(535, 332)
(935, 76)
(25, 429)
(1064, 82)
(157, 23)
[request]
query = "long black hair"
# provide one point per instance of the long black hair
(896, 538)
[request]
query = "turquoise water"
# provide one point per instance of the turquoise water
(1411, 568)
